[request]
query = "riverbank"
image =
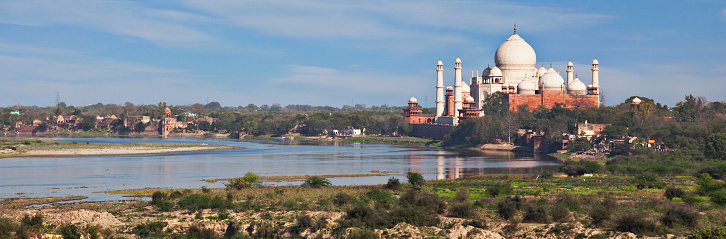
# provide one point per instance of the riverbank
(487, 206)
(34, 147)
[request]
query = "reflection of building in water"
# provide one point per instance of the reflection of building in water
(413, 161)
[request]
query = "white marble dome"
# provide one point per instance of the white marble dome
(440, 63)
(495, 72)
(577, 85)
(636, 101)
(486, 72)
(515, 53)
(449, 88)
(551, 79)
(541, 71)
(465, 88)
(525, 86)
(469, 99)
(413, 100)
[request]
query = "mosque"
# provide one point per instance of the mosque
(516, 76)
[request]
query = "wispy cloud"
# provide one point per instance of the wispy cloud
(115, 17)
(723, 14)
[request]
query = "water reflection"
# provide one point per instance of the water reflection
(62, 176)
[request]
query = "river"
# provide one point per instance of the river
(91, 176)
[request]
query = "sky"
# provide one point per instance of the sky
(344, 52)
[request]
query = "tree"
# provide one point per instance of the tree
(249, 180)
(415, 179)
(198, 109)
(495, 104)
(213, 106)
(716, 146)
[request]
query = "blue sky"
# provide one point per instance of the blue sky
(344, 52)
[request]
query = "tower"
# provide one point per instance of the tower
(439, 89)
(570, 71)
(457, 87)
(595, 76)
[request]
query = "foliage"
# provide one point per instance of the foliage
(509, 207)
(194, 202)
(363, 234)
(716, 146)
(709, 233)
(681, 216)
(70, 232)
(249, 180)
(635, 223)
(415, 179)
(671, 193)
(393, 183)
(461, 210)
(316, 182)
(536, 213)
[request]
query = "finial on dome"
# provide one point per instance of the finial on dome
(550, 65)
(515, 28)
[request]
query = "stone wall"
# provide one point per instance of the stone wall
(431, 131)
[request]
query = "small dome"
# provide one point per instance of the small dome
(449, 88)
(541, 71)
(413, 100)
(636, 100)
(570, 64)
(551, 79)
(469, 99)
(457, 60)
(440, 63)
(576, 85)
(465, 88)
(167, 110)
(486, 72)
(526, 85)
(495, 72)
(594, 62)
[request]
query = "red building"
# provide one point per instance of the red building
(413, 114)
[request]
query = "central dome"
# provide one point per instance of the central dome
(515, 53)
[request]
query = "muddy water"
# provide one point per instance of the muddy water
(90, 176)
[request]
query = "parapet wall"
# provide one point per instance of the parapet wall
(431, 131)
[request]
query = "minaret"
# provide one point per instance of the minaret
(457, 87)
(570, 71)
(595, 77)
(439, 89)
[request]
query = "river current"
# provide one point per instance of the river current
(91, 176)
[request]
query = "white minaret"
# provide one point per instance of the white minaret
(570, 71)
(439, 89)
(595, 77)
(457, 87)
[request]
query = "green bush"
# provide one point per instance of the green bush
(341, 199)
(149, 229)
(462, 194)
(165, 206)
(709, 233)
(681, 216)
(499, 189)
(415, 179)
(417, 216)
(304, 221)
(599, 214)
(157, 197)
(559, 213)
(393, 183)
(70, 232)
(34, 221)
(194, 202)
(671, 193)
(719, 197)
(635, 223)
(591, 167)
(509, 207)
(316, 182)
(431, 202)
(249, 180)
(7, 227)
(536, 213)
(195, 232)
(363, 234)
(461, 210)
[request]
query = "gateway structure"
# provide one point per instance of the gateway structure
(516, 76)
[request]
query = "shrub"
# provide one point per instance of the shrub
(509, 207)
(249, 180)
(70, 232)
(536, 213)
(431, 202)
(671, 193)
(35, 221)
(145, 230)
(599, 214)
(201, 233)
(165, 206)
(393, 183)
(462, 194)
(559, 213)
(383, 199)
(546, 175)
(709, 233)
(570, 202)
(499, 189)
(415, 179)
(461, 210)
(304, 221)
(231, 230)
(194, 202)
(635, 223)
(719, 197)
(175, 194)
(591, 167)
(417, 216)
(363, 234)
(680, 215)
(157, 197)
(7, 227)
(342, 198)
(316, 182)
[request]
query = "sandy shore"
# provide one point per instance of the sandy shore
(60, 149)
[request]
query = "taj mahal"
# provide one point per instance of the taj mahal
(516, 76)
